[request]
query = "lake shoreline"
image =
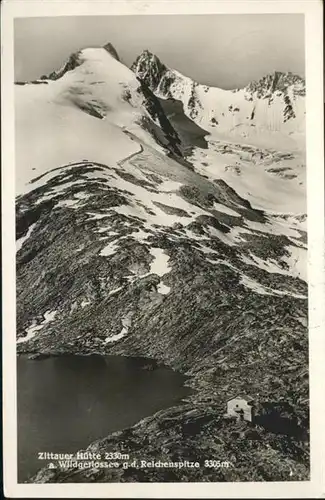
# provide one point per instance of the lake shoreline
(149, 364)
(195, 426)
(128, 377)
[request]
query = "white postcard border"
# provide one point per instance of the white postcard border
(312, 9)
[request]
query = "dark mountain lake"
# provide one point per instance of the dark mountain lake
(66, 402)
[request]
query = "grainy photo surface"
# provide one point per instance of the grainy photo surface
(161, 275)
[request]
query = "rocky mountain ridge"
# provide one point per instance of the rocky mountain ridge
(269, 104)
(278, 82)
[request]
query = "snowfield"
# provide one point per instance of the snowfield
(51, 135)
(53, 124)
(254, 181)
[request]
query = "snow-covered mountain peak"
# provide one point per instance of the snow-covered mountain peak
(148, 57)
(278, 82)
(82, 56)
(92, 82)
(149, 68)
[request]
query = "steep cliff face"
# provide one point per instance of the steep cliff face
(275, 104)
(73, 62)
(111, 50)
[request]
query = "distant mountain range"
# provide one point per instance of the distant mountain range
(275, 103)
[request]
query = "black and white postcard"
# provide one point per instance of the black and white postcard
(163, 249)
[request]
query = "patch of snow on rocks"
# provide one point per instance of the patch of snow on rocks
(258, 288)
(67, 203)
(159, 265)
(270, 266)
(95, 216)
(140, 235)
(21, 241)
(297, 261)
(163, 289)
(110, 249)
(107, 231)
(126, 323)
(33, 329)
(82, 196)
(224, 237)
(116, 337)
(113, 292)
(225, 210)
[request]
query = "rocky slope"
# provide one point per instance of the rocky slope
(130, 249)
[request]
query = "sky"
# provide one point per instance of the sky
(225, 50)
